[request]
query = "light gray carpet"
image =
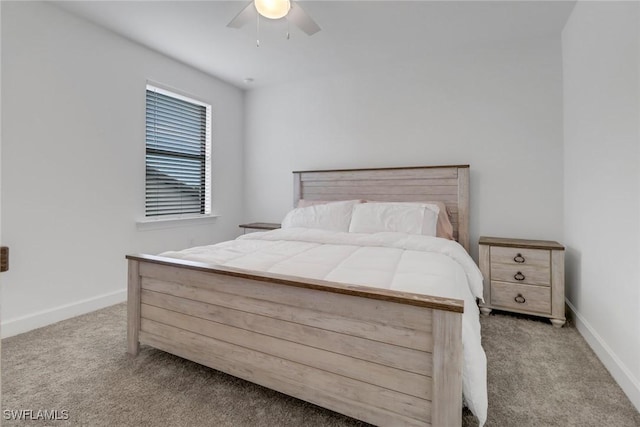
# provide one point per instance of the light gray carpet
(538, 376)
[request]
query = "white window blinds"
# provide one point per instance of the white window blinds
(178, 155)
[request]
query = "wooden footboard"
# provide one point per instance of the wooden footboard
(384, 357)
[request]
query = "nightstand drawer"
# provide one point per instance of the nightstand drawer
(522, 274)
(521, 256)
(521, 297)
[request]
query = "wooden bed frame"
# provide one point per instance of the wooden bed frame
(381, 356)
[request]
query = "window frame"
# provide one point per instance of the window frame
(206, 199)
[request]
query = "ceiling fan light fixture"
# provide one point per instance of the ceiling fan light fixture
(273, 9)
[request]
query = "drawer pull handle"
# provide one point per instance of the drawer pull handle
(519, 259)
(520, 299)
(519, 276)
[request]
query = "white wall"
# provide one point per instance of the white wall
(73, 162)
(499, 110)
(0, 176)
(601, 56)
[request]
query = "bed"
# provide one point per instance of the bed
(384, 356)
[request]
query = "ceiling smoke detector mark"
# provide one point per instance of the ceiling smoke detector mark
(248, 80)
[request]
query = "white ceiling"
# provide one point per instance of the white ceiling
(355, 34)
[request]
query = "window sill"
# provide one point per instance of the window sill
(172, 222)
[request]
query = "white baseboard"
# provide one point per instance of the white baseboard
(37, 320)
(625, 379)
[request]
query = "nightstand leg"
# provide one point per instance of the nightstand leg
(485, 311)
(558, 323)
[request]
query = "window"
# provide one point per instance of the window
(178, 156)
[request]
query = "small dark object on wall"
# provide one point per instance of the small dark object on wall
(4, 259)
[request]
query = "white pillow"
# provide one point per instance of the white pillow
(431, 214)
(335, 216)
(410, 218)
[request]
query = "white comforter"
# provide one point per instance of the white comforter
(398, 261)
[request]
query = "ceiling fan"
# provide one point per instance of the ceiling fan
(276, 9)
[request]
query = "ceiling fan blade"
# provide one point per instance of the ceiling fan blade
(299, 17)
(245, 16)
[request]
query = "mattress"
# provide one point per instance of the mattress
(397, 261)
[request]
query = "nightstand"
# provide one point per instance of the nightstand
(259, 226)
(523, 276)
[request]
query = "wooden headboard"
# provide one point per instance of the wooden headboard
(448, 184)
